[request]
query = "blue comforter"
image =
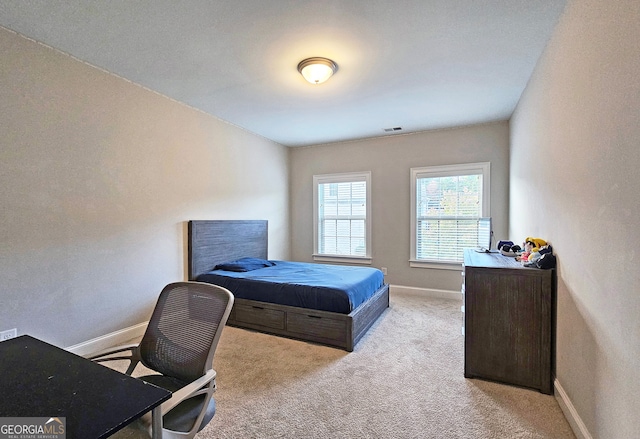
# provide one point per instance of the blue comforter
(334, 288)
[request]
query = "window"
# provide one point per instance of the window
(449, 211)
(342, 212)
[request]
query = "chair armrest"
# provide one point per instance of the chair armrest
(110, 354)
(188, 390)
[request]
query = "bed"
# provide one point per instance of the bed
(301, 313)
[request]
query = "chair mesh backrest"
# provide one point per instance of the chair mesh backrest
(181, 336)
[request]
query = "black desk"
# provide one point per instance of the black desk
(38, 379)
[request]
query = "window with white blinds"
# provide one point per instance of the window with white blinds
(342, 222)
(450, 212)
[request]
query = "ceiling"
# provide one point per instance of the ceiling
(414, 64)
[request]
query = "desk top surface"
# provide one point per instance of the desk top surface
(38, 379)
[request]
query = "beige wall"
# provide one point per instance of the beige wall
(390, 159)
(98, 177)
(574, 180)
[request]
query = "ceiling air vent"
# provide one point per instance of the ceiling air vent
(390, 130)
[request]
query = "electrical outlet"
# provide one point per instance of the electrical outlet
(9, 333)
(384, 270)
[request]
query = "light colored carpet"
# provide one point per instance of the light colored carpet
(403, 380)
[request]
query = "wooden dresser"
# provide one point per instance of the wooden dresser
(509, 321)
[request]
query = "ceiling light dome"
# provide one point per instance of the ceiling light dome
(317, 70)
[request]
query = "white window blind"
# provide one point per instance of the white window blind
(450, 212)
(342, 215)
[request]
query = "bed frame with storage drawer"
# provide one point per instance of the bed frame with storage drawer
(217, 241)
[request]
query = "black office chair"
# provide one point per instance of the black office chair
(179, 344)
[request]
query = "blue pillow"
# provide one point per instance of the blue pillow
(244, 264)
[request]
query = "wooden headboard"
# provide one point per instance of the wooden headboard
(216, 241)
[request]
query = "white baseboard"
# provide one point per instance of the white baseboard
(426, 292)
(109, 340)
(578, 427)
(125, 335)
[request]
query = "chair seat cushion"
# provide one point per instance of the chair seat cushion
(182, 416)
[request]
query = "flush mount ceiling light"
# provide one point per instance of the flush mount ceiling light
(317, 70)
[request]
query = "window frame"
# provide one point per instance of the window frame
(479, 168)
(348, 177)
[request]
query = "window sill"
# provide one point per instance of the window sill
(342, 259)
(457, 266)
